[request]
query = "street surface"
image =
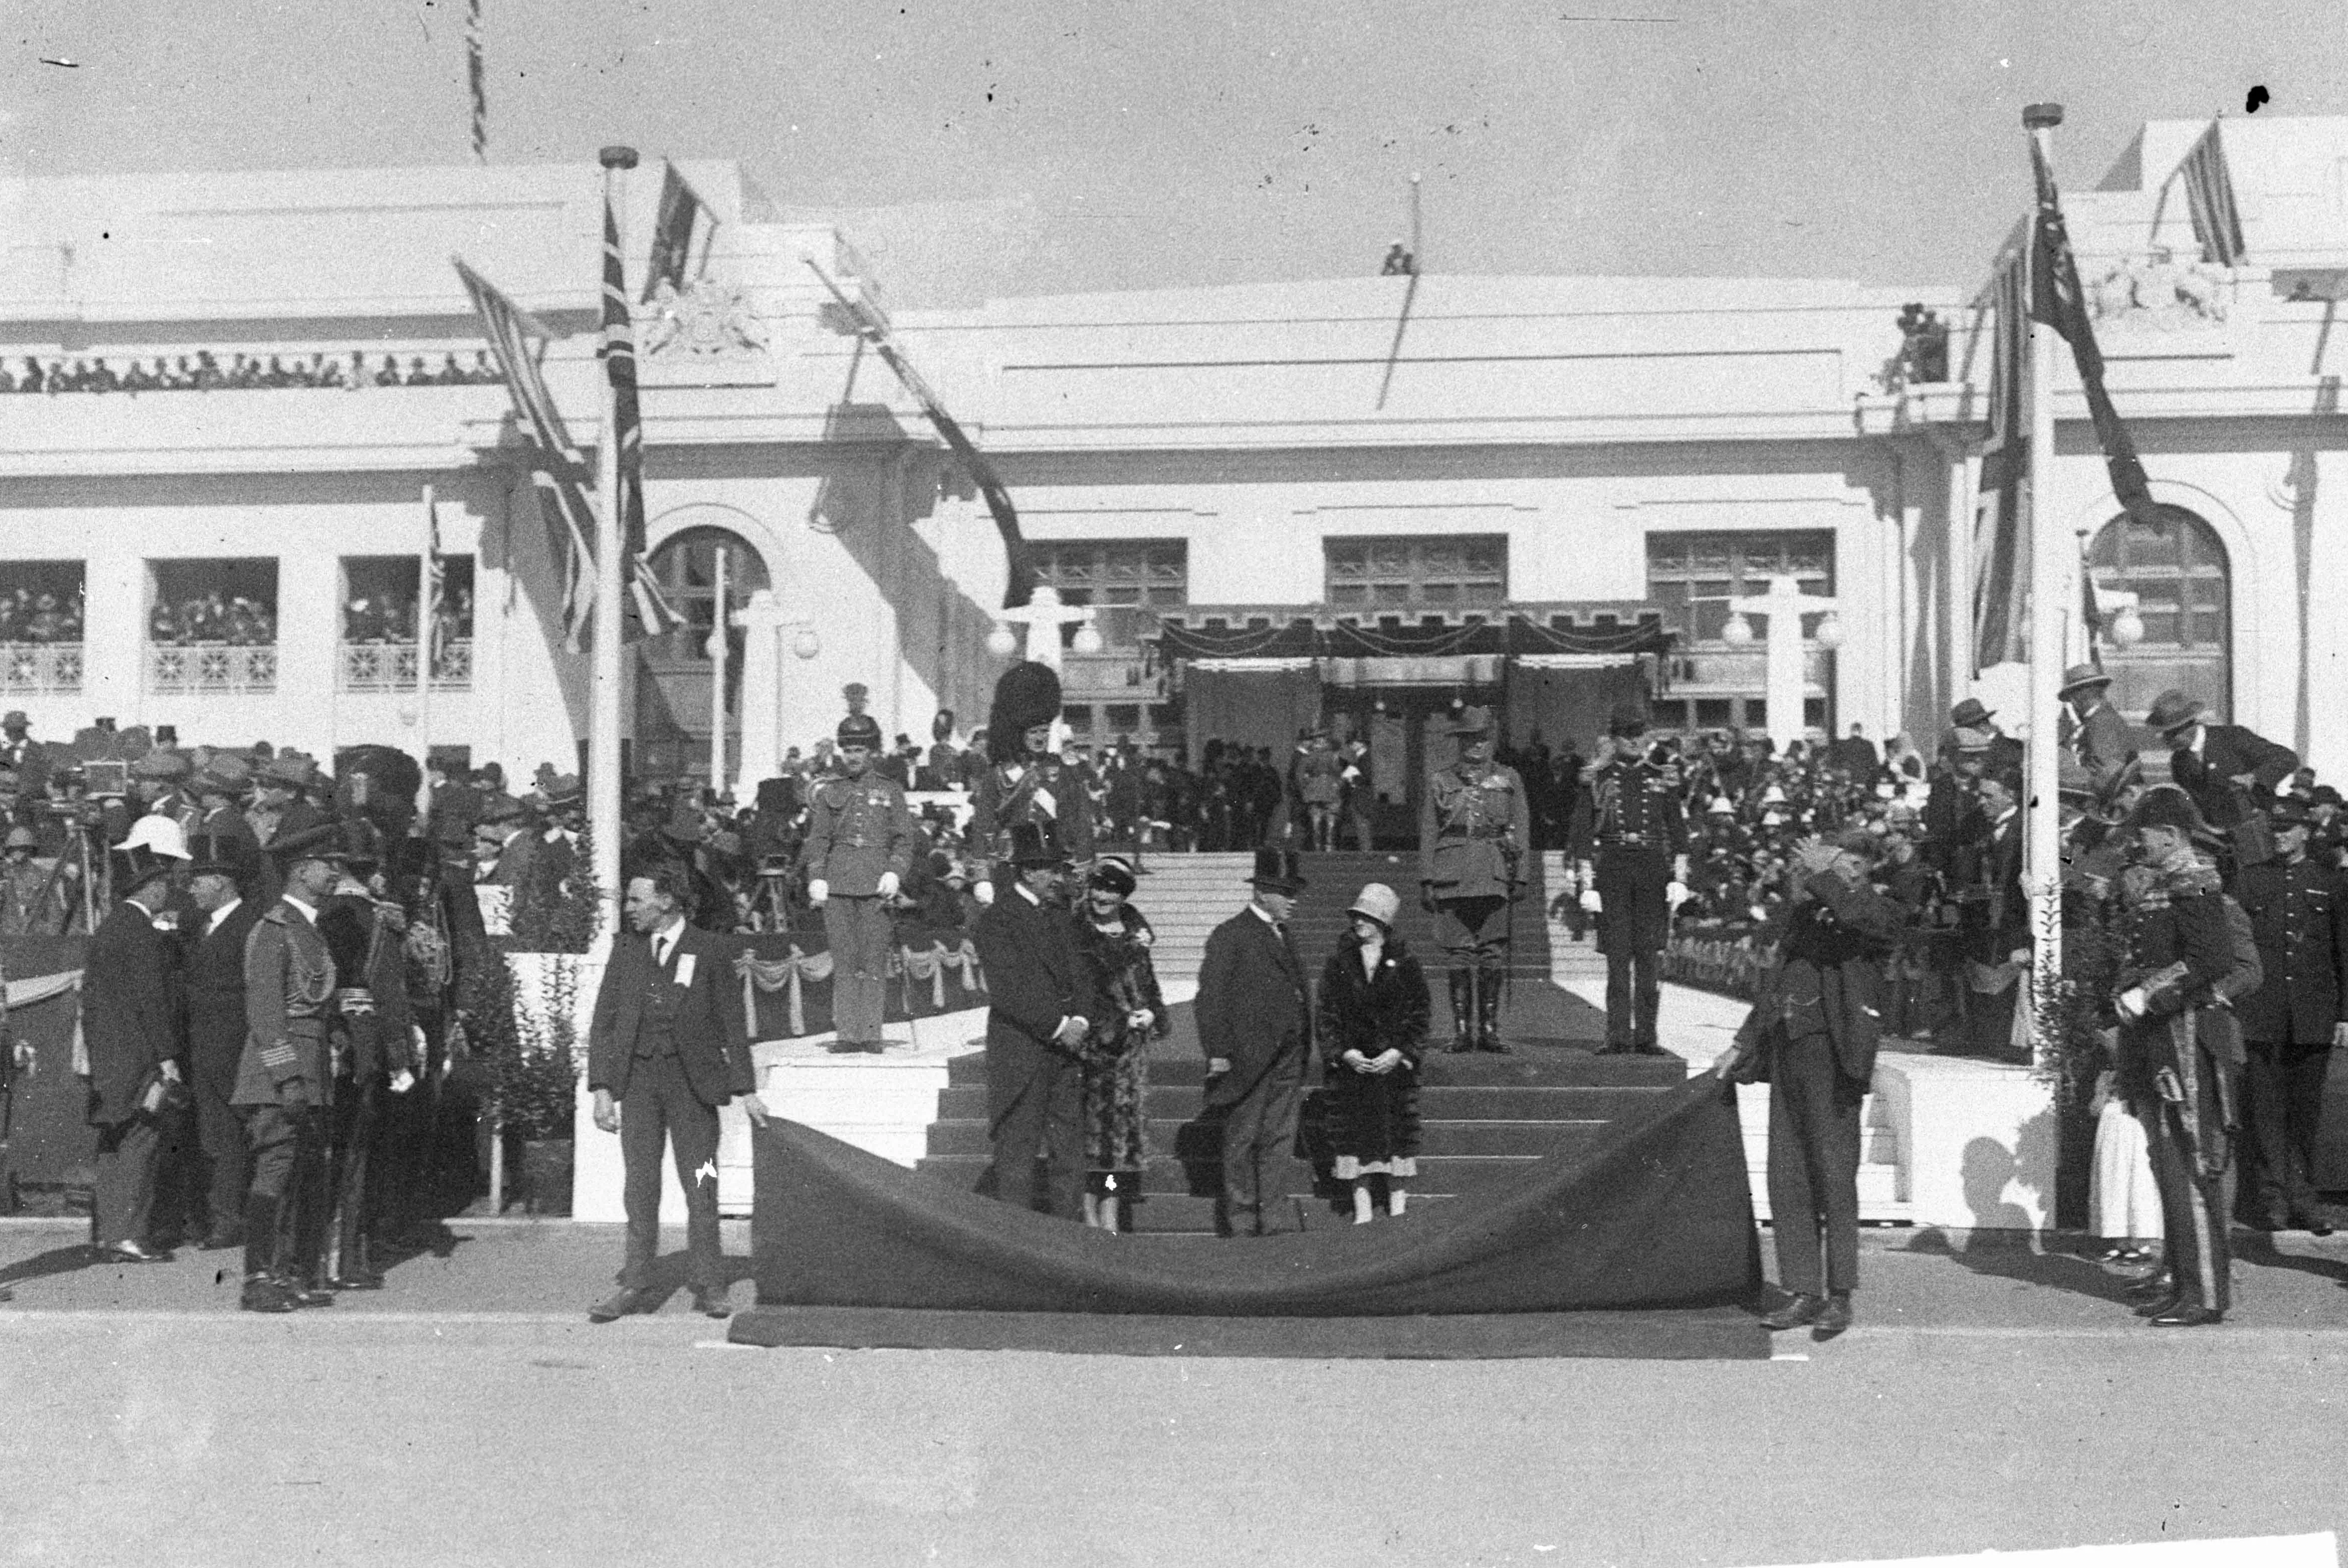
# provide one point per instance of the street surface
(1989, 1398)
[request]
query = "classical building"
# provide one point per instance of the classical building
(1361, 500)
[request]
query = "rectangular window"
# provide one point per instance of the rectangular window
(1126, 580)
(1691, 577)
(1397, 575)
(211, 627)
(40, 628)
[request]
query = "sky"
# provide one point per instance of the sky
(987, 148)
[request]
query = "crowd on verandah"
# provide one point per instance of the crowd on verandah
(202, 372)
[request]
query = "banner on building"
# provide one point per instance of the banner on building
(682, 233)
(2209, 197)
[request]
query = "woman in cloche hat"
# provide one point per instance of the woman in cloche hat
(1372, 1028)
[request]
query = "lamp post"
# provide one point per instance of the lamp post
(1044, 611)
(1784, 686)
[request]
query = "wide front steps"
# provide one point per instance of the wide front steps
(1485, 1120)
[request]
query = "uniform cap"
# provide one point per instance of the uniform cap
(22, 838)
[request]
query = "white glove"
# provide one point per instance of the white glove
(1590, 903)
(984, 891)
(402, 1082)
(887, 889)
(819, 892)
(2133, 1003)
(1675, 894)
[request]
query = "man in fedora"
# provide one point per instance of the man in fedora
(1255, 1023)
(1630, 845)
(2230, 771)
(1475, 831)
(2103, 741)
(130, 1028)
(2004, 751)
(19, 751)
(1042, 999)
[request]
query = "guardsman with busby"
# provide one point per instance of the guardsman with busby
(2173, 1069)
(130, 1030)
(1042, 999)
(858, 853)
(1475, 831)
(2298, 908)
(286, 1075)
(372, 1047)
(1630, 844)
(1023, 782)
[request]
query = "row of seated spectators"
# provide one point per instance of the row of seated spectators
(29, 617)
(240, 619)
(202, 372)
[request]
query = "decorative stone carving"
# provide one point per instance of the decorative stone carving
(704, 319)
(2154, 293)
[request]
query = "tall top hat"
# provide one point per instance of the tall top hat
(1034, 844)
(1279, 871)
(228, 854)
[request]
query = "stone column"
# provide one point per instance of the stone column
(764, 630)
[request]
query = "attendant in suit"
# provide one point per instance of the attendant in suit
(2103, 741)
(668, 1046)
(2298, 908)
(1812, 1038)
(1255, 1024)
(1042, 1005)
(1996, 912)
(214, 970)
(286, 1075)
(130, 1027)
(2230, 771)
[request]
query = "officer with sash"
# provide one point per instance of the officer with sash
(858, 849)
(1474, 831)
(1630, 845)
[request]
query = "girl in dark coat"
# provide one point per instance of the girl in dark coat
(1373, 1033)
(1115, 939)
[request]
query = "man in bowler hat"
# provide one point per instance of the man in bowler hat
(1042, 1002)
(1255, 1023)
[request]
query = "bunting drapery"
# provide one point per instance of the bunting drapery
(791, 974)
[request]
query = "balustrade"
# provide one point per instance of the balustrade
(40, 669)
(390, 667)
(211, 668)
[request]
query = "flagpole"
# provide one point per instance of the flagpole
(427, 613)
(603, 782)
(2050, 581)
(717, 651)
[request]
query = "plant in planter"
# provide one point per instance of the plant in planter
(558, 909)
(2072, 1059)
(533, 1055)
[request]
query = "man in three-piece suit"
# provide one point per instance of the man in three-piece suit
(1042, 1002)
(214, 968)
(1255, 1024)
(130, 1028)
(668, 1046)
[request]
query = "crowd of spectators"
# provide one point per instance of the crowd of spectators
(26, 616)
(239, 620)
(202, 372)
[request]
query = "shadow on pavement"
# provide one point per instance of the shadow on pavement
(2256, 1247)
(41, 1266)
(2003, 1258)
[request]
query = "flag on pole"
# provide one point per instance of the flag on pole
(436, 583)
(683, 229)
(476, 79)
(557, 474)
(2000, 554)
(867, 324)
(2057, 299)
(2209, 197)
(648, 612)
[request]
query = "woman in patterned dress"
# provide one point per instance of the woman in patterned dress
(1115, 940)
(1371, 1030)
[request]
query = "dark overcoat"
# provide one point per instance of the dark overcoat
(1035, 976)
(1254, 1005)
(129, 1013)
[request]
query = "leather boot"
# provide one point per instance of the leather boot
(1487, 1013)
(1463, 1023)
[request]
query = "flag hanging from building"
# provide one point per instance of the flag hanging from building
(867, 324)
(436, 583)
(2001, 555)
(2056, 299)
(648, 612)
(558, 472)
(2209, 197)
(476, 80)
(682, 231)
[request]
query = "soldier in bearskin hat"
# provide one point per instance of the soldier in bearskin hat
(858, 853)
(1630, 845)
(1023, 782)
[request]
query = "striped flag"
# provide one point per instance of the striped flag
(2209, 196)
(649, 612)
(436, 583)
(558, 472)
(685, 226)
(2001, 563)
(477, 78)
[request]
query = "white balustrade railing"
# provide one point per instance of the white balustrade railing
(211, 668)
(39, 669)
(390, 667)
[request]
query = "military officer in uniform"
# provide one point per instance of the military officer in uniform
(1629, 845)
(1023, 782)
(858, 849)
(1475, 829)
(2299, 914)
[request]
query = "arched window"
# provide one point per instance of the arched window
(2176, 566)
(673, 689)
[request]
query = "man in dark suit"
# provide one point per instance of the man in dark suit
(2298, 908)
(20, 753)
(668, 1046)
(1995, 911)
(214, 966)
(1255, 1024)
(1812, 1038)
(1041, 1003)
(2103, 741)
(2230, 771)
(130, 1028)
